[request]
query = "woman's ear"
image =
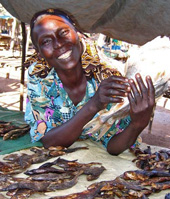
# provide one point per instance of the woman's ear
(39, 56)
(81, 35)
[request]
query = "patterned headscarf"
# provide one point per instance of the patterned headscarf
(50, 11)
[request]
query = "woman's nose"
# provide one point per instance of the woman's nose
(57, 43)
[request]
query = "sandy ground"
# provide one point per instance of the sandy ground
(10, 73)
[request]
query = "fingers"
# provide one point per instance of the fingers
(151, 90)
(139, 92)
(117, 78)
(131, 100)
(142, 87)
(116, 82)
(114, 93)
(113, 96)
(134, 93)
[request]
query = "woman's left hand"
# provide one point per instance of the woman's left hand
(142, 101)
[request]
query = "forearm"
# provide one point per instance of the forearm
(123, 140)
(67, 133)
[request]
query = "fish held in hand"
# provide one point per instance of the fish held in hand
(150, 59)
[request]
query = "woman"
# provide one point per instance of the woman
(65, 92)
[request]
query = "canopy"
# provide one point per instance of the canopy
(133, 21)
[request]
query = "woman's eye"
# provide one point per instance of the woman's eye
(64, 32)
(46, 41)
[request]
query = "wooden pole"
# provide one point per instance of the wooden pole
(22, 63)
(14, 24)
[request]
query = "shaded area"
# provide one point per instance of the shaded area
(160, 133)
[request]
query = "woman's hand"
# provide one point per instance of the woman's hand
(111, 90)
(142, 101)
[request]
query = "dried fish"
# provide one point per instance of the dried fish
(21, 193)
(147, 160)
(43, 186)
(90, 193)
(50, 176)
(16, 163)
(110, 189)
(42, 170)
(7, 129)
(154, 180)
(88, 169)
(93, 173)
(17, 132)
(158, 186)
(143, 175)
(66, 163)
(139, 62)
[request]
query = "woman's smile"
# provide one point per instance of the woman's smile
(65, 55)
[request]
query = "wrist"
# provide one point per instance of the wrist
(93, 107)
(137, 127)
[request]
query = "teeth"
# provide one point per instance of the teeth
(65, 55)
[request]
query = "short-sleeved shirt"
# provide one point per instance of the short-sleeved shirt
(48, 104)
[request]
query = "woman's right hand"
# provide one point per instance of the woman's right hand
(111, 90)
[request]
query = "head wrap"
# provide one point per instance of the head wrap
(50, 11)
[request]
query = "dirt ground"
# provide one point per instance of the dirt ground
(10, 73)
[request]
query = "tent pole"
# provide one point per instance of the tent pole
(22, 65)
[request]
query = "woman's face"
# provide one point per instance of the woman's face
(57, 42)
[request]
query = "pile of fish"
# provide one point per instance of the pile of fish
(47, 178)
(16, 163)
(63, 174)
(57, 175)
(10, 131)
(135, 184)
(147, 160)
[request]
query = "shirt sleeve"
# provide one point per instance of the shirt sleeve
(116, 128)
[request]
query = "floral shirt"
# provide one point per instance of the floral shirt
(48, 104)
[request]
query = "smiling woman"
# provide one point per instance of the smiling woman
(57, 42)
(68, 84)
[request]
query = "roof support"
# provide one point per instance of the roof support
(24, 35)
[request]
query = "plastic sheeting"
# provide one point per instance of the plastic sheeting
(133, 21)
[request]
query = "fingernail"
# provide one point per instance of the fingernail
(128, 88)
(138, 75)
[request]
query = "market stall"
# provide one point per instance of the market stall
(113, 167)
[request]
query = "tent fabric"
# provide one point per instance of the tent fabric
(133, 21)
